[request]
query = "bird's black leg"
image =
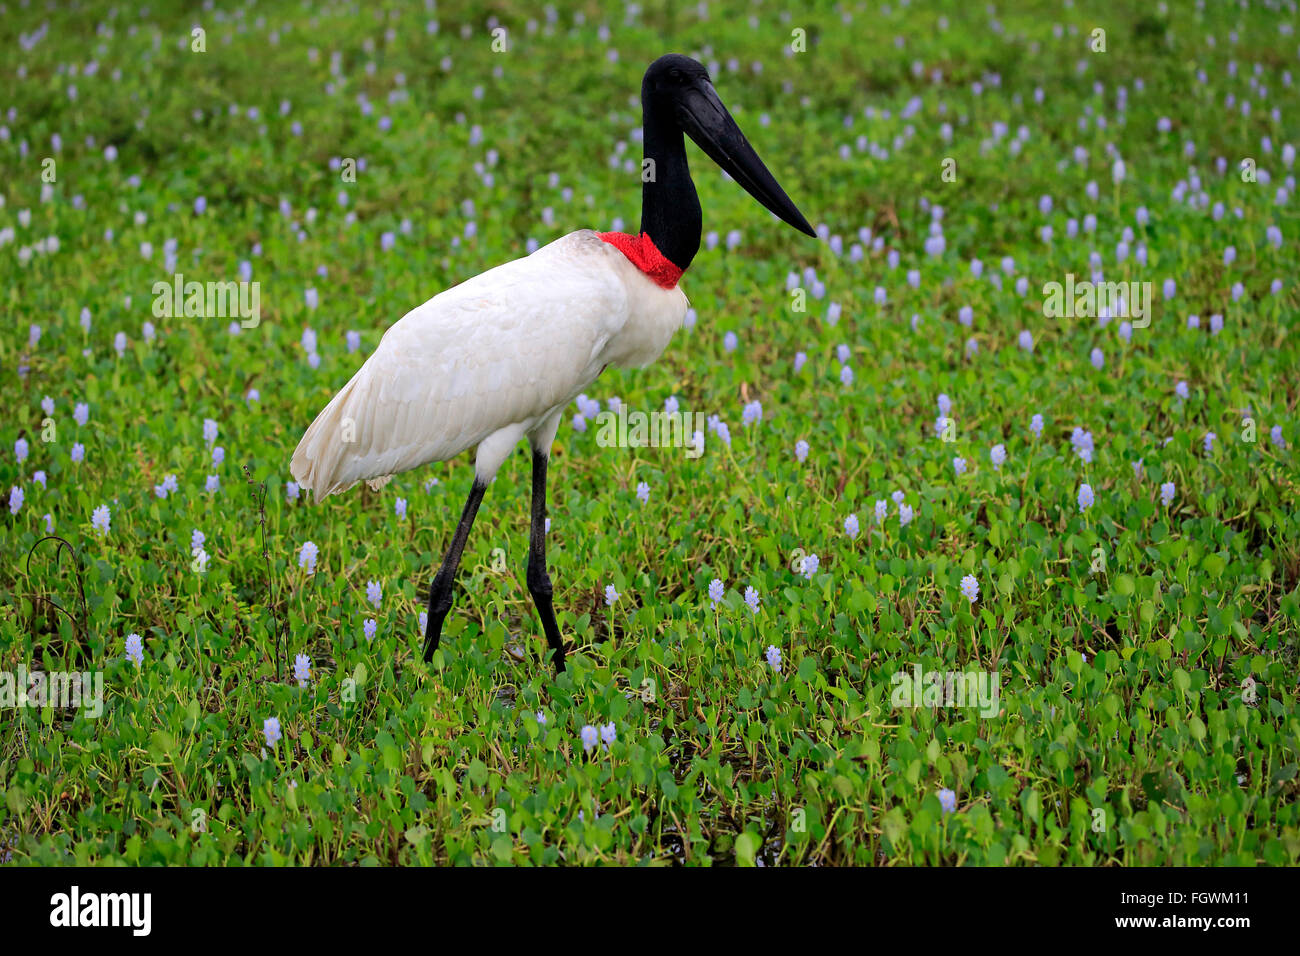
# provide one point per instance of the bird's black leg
(539, 582)
(440, 589)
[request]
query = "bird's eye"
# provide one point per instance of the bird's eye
(676, 75)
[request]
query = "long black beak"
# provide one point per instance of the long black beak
(706, 121)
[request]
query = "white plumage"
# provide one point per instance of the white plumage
(488, 362)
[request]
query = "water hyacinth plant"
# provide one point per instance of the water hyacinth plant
(1096, 510)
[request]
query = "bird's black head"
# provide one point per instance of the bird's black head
(669, 76)
(679, 87)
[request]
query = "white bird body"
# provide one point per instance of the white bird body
(497, 358)
(488, 362)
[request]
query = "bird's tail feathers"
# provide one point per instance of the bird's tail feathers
(318, 459)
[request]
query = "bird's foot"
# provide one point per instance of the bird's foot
(433, 633)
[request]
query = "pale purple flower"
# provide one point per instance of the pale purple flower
(1083, 444)
(135, 649)
(1275, 436)
(307, 556)
(21, 449)
(774, 657)
(608, 734)
(370, 628)
(799, 359)
(945, 405)
(81, 413)
(590, 736)
(998, 455)
(209, 430)
(1208, 442)
(611, 595)
(271, 730)
(1036, 425)
(846, 376)
(212, 484)
(1097, 358)
(38, 476)
(959, 465)
(1026, 340)
(851, 527)
(643, 492)
(753, 413)
(810, 565)
(218, 455)
(78, 452)
(882, 510)
(374, 592)
(716, 590)
(904, 514)
(291, 490)
(801, 450)
(1085, 496)
(399, 507)
(15, 499)
(970, 588)
(751, 599)
(947, 801)
(1167, 492)
(1182, 391)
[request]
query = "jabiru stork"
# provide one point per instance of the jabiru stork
(497, 358)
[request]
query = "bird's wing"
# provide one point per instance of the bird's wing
(502, 348)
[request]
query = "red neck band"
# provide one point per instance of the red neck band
(643, 254)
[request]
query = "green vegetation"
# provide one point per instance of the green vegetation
(1145, 652)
